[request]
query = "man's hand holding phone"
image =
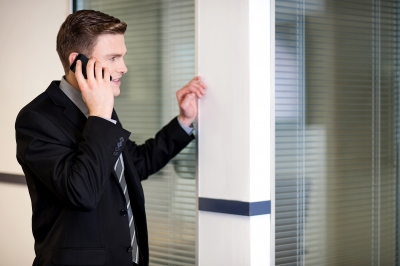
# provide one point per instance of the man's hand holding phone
(96, 90)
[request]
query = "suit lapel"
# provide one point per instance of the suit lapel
(115, 117)
(71, 111)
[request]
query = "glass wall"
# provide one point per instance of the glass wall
(160, 60)
(337, 132)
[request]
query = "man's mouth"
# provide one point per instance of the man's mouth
(116, 80)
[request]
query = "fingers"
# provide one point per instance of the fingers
(107, 74)
(94, 71)
(195, 86)
(186, 102)
(90, 69)
(198, 85)
(197, 79)
(98, 69)
(79, 76)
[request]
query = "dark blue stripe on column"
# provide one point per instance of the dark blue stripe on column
(235, 207)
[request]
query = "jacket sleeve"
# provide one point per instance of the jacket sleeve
(156, 152)
(76, 170)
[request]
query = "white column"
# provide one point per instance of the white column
(235, 57)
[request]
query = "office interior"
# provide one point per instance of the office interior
(296, 157)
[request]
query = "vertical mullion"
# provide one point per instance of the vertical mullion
(397, 125)
(376, 127)
(300, 139)
(373, 135)
(379, 125)
(74, 6)
(300, 16)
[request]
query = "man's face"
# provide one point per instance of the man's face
(110, 51)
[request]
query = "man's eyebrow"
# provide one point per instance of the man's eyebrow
(116, 54)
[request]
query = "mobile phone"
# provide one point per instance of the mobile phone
(84, 61)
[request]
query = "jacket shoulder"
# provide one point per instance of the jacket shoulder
(43, 101)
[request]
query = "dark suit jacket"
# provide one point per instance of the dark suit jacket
(77, 202)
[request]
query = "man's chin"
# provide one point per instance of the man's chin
(116, 92)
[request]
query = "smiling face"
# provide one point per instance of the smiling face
(110, 50)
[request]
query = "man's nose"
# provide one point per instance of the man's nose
(122, 68)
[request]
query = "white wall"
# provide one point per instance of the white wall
(29, 63)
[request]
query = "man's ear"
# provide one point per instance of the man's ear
(72, 57)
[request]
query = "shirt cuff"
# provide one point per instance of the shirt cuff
(111, 120)
(188, 130)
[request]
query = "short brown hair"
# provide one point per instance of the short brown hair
(80, 30)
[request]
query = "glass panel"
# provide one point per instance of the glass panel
(337, 132)
(160, 59)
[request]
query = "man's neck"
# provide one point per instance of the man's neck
(70, 78)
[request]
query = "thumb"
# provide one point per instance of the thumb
(187, 100)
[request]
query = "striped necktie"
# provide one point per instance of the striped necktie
(119, 170)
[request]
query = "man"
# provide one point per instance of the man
(82, 171)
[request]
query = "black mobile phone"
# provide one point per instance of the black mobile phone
(84, 61)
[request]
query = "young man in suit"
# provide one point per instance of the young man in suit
(83, 173)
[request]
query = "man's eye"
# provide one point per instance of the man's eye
(112, 59)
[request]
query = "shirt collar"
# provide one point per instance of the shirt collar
(74, 95)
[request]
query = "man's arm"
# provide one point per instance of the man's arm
(155, 153)
(74, 170)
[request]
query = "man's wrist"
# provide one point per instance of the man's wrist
(189, 129)
(185, 121)
(110, 119)
(100, 114)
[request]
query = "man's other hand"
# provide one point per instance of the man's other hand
(187, 100)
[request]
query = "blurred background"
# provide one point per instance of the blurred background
(337, 132)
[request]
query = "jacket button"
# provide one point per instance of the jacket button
(123, 212)
(115, 153)
(121, 139)
(130, 249)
